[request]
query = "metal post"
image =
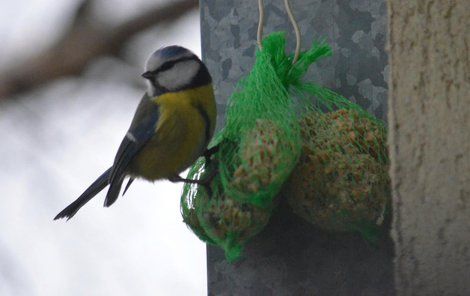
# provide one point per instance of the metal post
(291, 257)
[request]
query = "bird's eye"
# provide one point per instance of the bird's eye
(166, 66)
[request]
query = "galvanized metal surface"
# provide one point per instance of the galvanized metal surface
(290, 257)
(355, 29)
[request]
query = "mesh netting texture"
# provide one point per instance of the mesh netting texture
(341, 182)
(278, 128)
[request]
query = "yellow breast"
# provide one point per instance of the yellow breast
(180, 135)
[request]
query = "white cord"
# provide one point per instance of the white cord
(292, 20)
(260, 23)
(296, 30)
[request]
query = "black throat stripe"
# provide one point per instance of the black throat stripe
(207, 122)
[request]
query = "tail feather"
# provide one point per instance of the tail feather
(113, 191)
(128, 185)
(86, 196)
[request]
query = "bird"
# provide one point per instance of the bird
(171, 128)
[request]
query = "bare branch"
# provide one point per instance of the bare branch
(82, 13)
(83, 43)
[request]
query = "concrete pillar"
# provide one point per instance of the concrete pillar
(430, 145)
(291, 257)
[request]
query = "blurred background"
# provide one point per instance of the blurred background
(69, 85)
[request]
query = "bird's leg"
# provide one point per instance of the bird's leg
(177, 178)
(206, 182)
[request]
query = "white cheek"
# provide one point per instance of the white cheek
(150, 89)
(179, 75)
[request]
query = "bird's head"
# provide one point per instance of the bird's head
(174, 68)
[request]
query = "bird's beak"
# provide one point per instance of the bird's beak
(147, 75)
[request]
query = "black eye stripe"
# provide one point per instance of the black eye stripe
(167, 65)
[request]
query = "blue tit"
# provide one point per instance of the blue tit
(171, 128)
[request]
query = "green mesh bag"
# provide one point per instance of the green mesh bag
(341, 182)
(258, 149)
(218, 219)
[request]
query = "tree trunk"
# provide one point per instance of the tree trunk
(429, 113)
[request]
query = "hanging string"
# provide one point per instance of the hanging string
(259, 36)
(296, 30)
(260, 23)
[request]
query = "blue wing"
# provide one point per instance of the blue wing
(141, 130)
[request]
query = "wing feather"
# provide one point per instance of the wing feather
(140, 132)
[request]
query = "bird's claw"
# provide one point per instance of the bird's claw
(209, 152)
